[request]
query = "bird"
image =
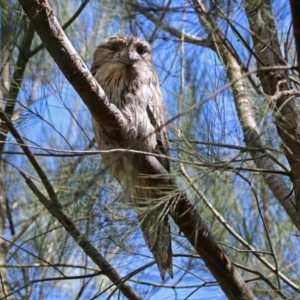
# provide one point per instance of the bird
(123, 67)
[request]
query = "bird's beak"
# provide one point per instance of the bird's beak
(128, 57)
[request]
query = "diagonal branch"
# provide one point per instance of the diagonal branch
(30, 156)
(65, 26)
(235, 73)
(285, 111)
(55, 208)
(83, 242)
(110, 118)
(16, 80)
(171, 30)
(295, 8)
(238, 237)
(23, 58)
(72, 66)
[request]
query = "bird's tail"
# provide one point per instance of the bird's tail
(152, 203)
(157, 235)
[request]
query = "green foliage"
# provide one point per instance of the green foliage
(211, 160)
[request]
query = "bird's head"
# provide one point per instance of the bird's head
(122, 52)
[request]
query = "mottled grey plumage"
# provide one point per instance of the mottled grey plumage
(123, 67)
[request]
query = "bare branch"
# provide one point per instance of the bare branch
(238, 237)
(109, 118)
(173, 31)
(55, 208)
(295, 8)
(235, 73)
(64, 27)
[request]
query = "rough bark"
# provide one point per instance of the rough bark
(110, 118)
(285, 111)
(295, 8)
(5, 55)
(4, 285)
(235, 72)
(54, 207)
(234, 69)
(17, 79)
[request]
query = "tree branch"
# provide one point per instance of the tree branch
(72, 66)
(295, 8)
(244, 107)
(285, 111)
(109, 118)
(171, 30)
(55, 208)
(64, 27)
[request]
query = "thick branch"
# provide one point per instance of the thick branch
(64, 27)
(244, 107)
(72, 66)
(110, 119)
(24, 55)
(214, 257)
(83, 242)
(17, 79)
(54, 207)
(295, 8)
(286, 113)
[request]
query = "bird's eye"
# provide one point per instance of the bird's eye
(141, 50)
(113, 47)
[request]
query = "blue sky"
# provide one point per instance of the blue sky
(58, 99)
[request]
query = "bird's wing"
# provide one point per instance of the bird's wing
(157, 115)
